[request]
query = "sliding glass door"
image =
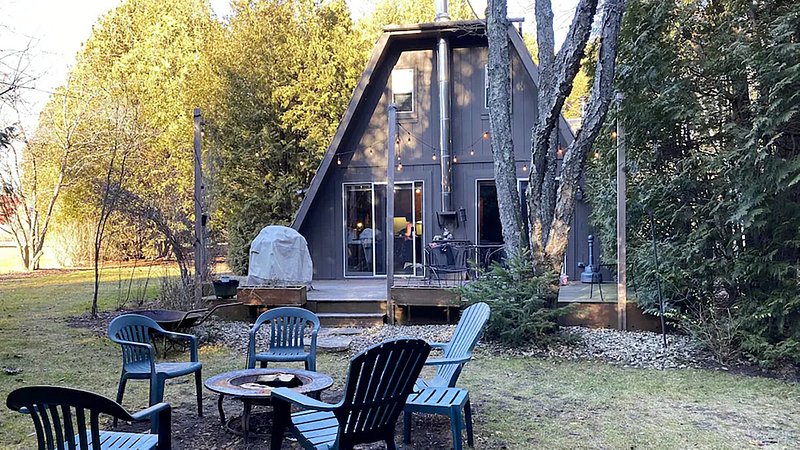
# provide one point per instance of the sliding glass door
(365, 220)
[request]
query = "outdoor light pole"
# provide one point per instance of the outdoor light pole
(622, 271)
(389, 226)
(200, 262)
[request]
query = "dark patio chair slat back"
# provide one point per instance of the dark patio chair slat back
(80, 420)
(465, 338)
(379, 380)
(288, 326)
(133, 328)
(51, 408)
(288, 331)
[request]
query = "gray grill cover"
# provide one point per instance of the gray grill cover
(279, 255)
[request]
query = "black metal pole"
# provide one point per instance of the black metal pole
(658, 275)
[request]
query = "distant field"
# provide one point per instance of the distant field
(10, 260)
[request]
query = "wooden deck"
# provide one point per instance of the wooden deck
(577, 292)
(374, 290)
(351, 290)
(362, 302)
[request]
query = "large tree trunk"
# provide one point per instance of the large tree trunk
(551, 198)
(556, 75)
(505, 171)
(575, 157)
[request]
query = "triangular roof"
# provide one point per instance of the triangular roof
(391, 35)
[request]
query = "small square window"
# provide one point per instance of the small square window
(403, 89)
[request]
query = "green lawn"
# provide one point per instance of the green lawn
(519, 402)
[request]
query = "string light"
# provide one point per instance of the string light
(596, 154)
(455, 159)
(370, 150)
(434, 156)
(338, 161)
(472, 152)
(524, 167)
(613, 135)
(560, 152)
(302, 163)
(486, 135)
(399, 167)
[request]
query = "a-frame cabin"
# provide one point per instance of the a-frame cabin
(422, 68)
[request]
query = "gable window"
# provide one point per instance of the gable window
(486, 86)
(403, 89)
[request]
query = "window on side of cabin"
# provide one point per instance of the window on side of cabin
(403, 89)
(486, 86)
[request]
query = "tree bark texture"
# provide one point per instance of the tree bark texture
(556, 75)
(575, 156)
(505, 170)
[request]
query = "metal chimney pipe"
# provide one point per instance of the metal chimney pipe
(443, 70)
(442, 11)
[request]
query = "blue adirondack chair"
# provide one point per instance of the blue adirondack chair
(458, 351)
(59, 415)
(378, 383)
(133, 333)
(286, 337)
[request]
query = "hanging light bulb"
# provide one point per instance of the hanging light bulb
(338, 161)
(434, 156)
(613, 135)
(400, 167)
(472, 152)
(370, 150)
(596, 154)
(302, 163)
(524, 167)
(560, 152)
(455, 159)
(486, 135)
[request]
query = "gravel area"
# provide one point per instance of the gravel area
(639, 349)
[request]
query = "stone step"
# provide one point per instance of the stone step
(351, 319)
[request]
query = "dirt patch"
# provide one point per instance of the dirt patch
(207, 432)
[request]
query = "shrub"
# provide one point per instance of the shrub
(715, 329)
(523, 304)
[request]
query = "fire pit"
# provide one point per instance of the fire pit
(254, 387)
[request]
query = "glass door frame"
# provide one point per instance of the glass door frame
(388, 237)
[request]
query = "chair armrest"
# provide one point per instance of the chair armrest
(439, 345)
(146, 414)
(301, 400)
(185, 337)
(446, 361)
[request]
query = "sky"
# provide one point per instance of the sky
(56, 29)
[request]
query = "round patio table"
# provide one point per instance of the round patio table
(254, 387)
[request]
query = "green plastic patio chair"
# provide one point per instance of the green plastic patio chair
(60, 414)
(133, 332)
(287, 328)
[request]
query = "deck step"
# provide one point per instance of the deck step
(351, 319)
(320, 306)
